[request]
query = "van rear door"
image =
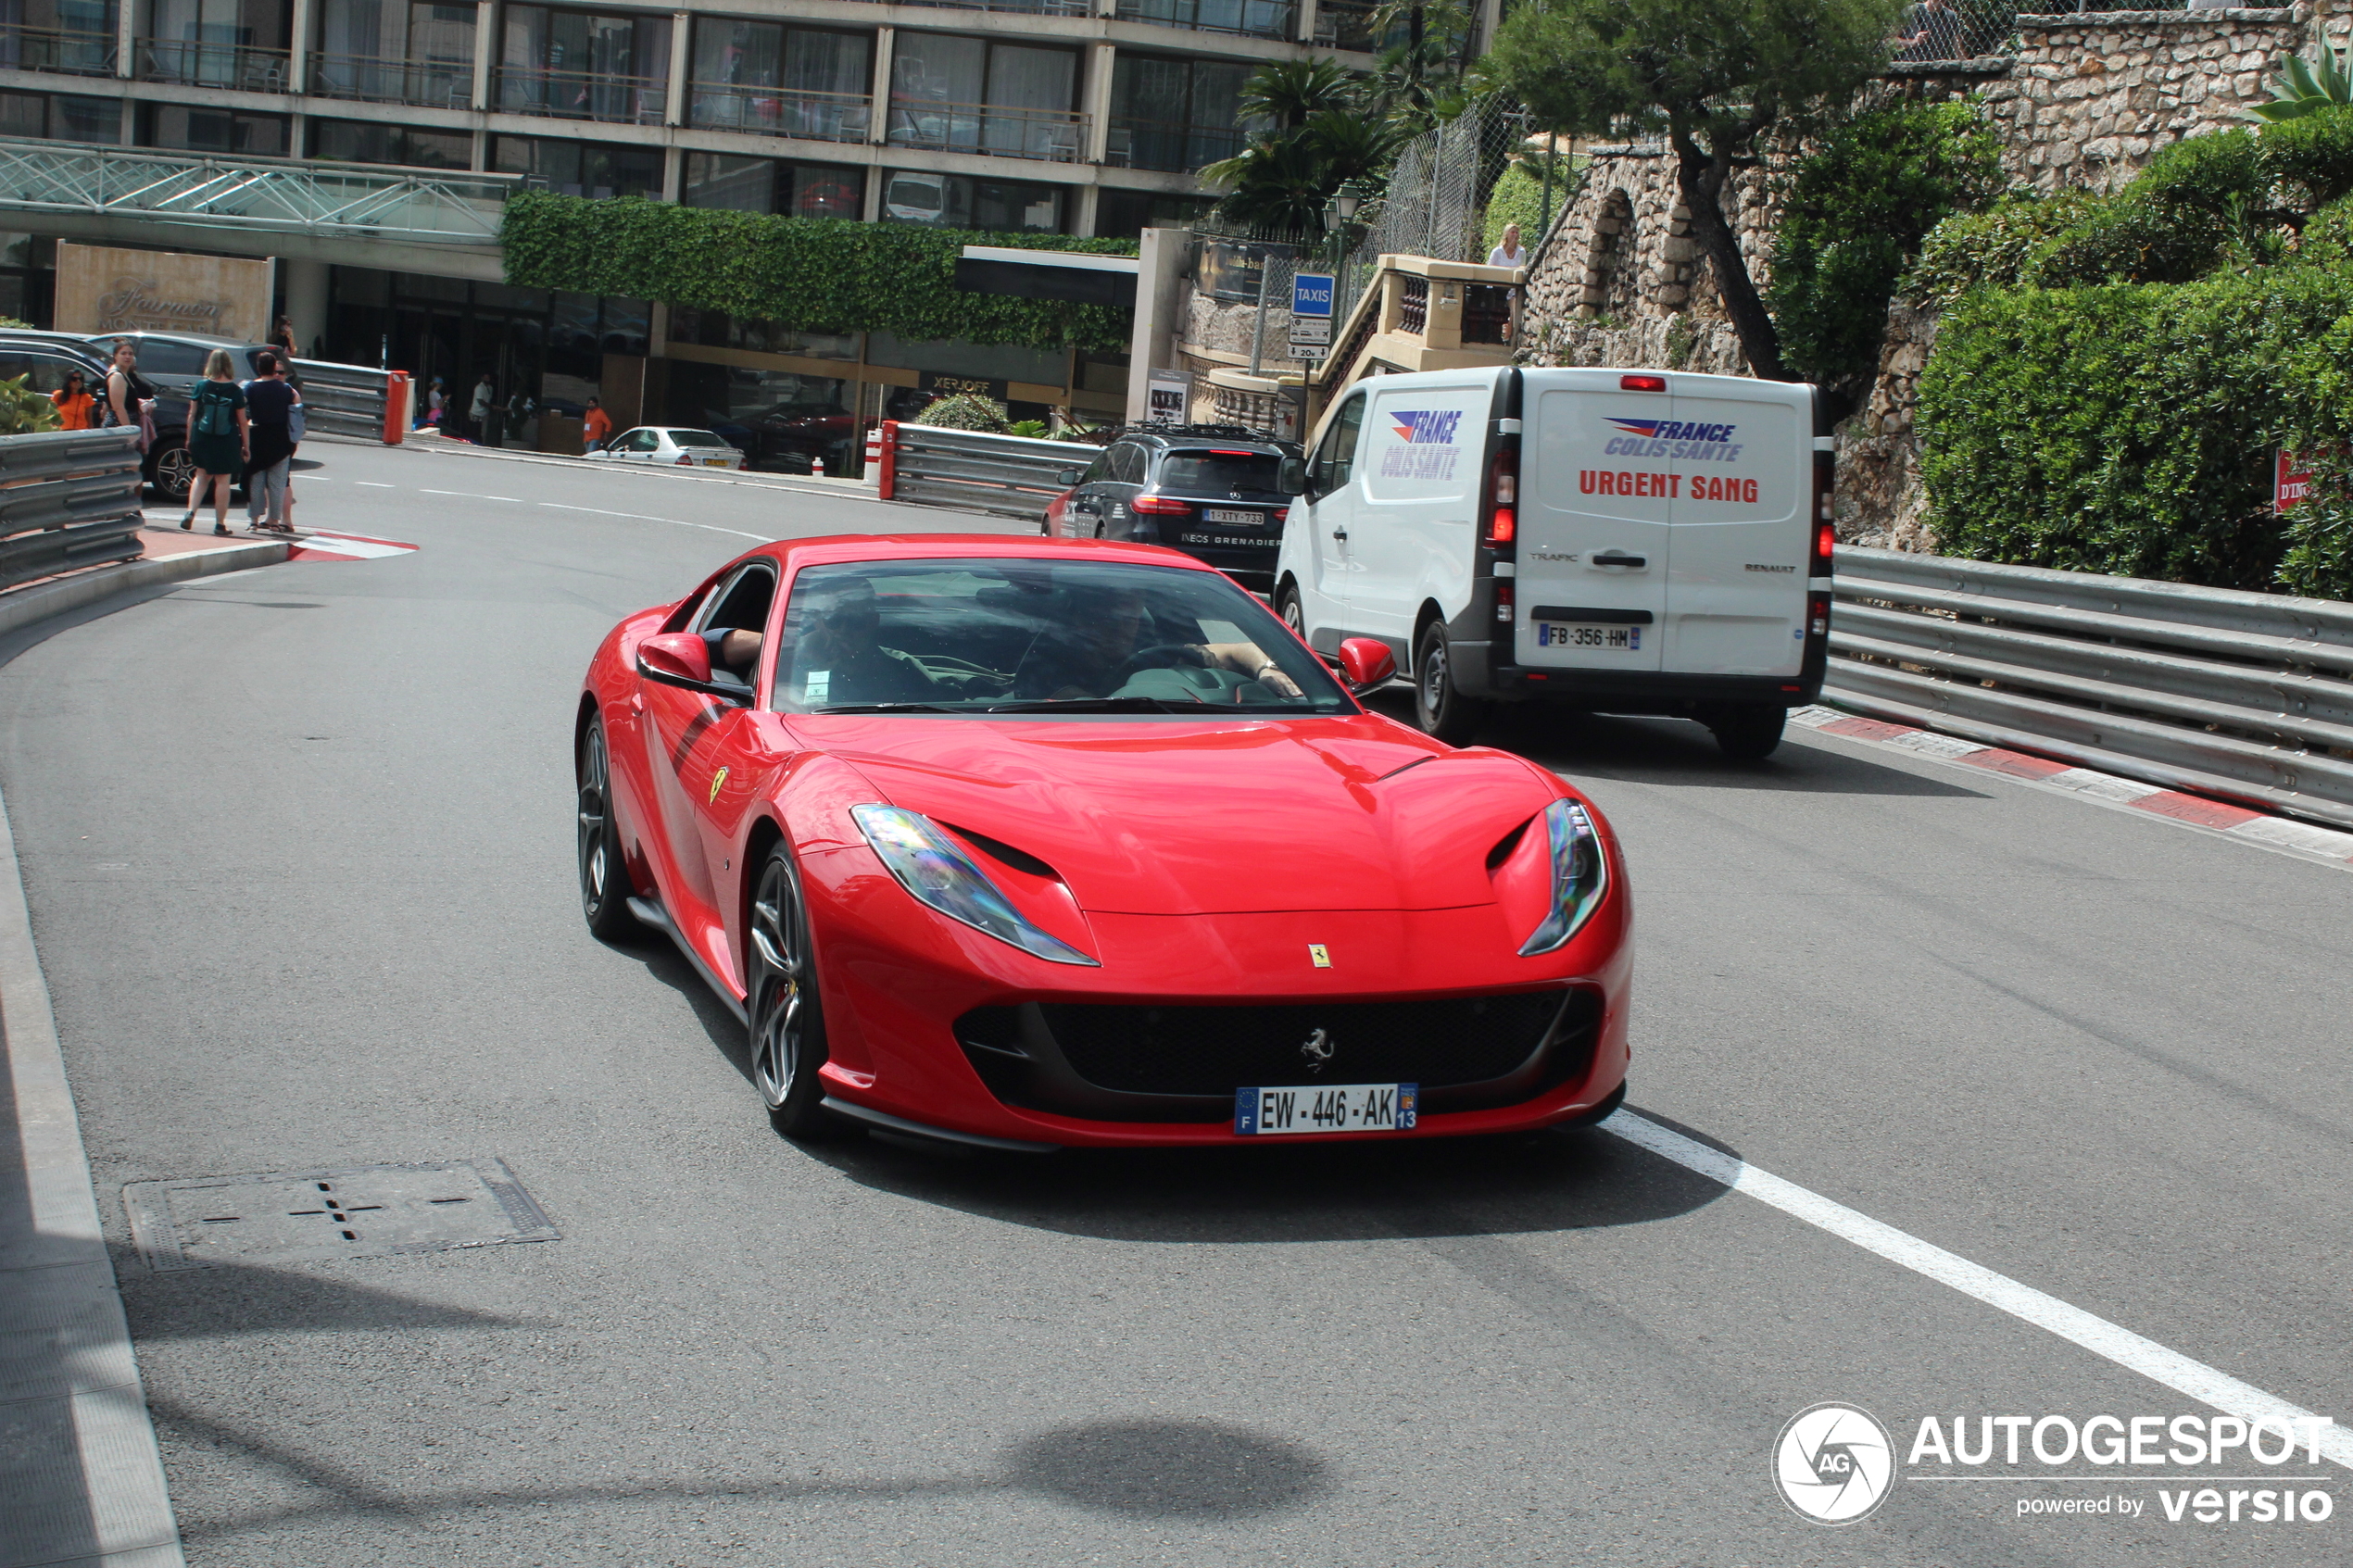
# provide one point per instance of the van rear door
(1594, 521)
(1737, 556)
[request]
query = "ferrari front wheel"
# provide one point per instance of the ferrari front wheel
(787, 1020)
(604, 875)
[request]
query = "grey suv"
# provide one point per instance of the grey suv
(1215, 492)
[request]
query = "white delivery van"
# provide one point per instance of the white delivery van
(1615, 540)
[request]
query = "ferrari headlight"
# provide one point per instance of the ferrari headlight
(928, 865)
(1579, 875)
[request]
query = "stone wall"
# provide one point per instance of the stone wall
(2084, 103)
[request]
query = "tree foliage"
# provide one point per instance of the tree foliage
(23, 410)
(1711, 75)
(808, 274)
(1853, 220)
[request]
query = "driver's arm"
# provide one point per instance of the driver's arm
(1250, 661)
(734, 649)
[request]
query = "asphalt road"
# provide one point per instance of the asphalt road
(298, 849)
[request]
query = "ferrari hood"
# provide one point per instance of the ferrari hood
(1175, 819)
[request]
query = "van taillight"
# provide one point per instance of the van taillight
(1825, 540)
(1817, 615)
(1503, 496)
(1504, 601)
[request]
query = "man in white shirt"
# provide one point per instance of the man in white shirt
(1508, 254)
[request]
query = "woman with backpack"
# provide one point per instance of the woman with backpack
(220, 438)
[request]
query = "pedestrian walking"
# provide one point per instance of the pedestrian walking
(595, 427)
(130, 397)
(282, 338)
(269, 406)
(478, 416)
(1509, 253)
(220, 438)
(76, 408)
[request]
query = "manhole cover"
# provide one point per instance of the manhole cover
(303, 1216)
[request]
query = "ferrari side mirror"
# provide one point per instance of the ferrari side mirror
(683, 660)
(1365, 664)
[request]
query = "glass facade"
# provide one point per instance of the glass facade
(1175, 114)
(182, 129)
(1124, 214)
(759, 184)
(776, 80)
(950, 92)
(383, 51)
(354, 141)
(72, 37)
(239, 44)
(583, 64)
(62, 116)
(580, 169)
(966, 201)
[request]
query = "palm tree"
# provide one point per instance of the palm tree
(1286, 92)
(1284, 179)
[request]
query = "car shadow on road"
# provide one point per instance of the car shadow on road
(1556, 1180)
(1677, 751)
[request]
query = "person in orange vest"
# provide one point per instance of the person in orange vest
(595, 427)
(76, 408)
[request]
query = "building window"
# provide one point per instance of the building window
(1175, 114)
(963, 201)
(353, 141)
(775, 81)
(182, 129)
(580, 169)
(61, 117)
(240, 44)
(1123, 215)
(716, 329)
(71, 37)
(394, 54)
(1254, 19)
(953, 93)
(580, 65)
(758, 185)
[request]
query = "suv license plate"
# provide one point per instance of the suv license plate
(1608, 639)
(1248, 520)
(1326, 1107)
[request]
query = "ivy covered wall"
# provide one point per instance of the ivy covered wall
(808, 274)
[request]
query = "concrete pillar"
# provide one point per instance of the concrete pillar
(301, 28)
(1307, 21)
(673, 175)
(1088, 199)
(1094, 93)
(306, 299)
(878, 123)
(875, 177)
(1160, 261)
(681, 36)
(126, 42)
(488, 23)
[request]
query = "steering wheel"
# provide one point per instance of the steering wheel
(1162, 658)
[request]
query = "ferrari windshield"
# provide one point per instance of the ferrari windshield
(1039, 636)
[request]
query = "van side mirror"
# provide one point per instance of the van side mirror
(1291, 477)
(1069, 477)
(1365, 664)
(683, 660)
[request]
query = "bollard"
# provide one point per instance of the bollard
(889, 459)
(397, 395)
(873, 450)
(817, 466)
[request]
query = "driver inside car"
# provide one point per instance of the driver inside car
(1098, 653)
(840, 658)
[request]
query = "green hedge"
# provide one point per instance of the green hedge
(2131, 429)
(809, 274)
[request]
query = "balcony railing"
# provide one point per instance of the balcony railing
(583, 95)
(1160, 143)
(779, 111)
(438, 84)
(233, 66)
(1253, 18)
(67, 53)
(1051, 136)
(1025, 7)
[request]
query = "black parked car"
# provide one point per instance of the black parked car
(1215, 492)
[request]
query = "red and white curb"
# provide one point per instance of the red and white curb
(323, 545)
(2302, 839)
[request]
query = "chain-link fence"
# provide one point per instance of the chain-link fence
(1440, 190)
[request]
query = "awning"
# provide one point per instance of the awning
(1049, 274)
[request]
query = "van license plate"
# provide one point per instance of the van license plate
(1248, 520)
(1326, 1107)
(1608, 639)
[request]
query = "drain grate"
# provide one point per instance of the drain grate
(305, 1216)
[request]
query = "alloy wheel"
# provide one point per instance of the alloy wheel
(595, 868)
(780, 949)
(175, 473)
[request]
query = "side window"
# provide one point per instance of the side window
(643, 441)
(1127, 463)
(742, 605)
(1336, 454)
(1099, 469)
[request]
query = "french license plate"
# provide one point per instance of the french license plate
(1608, 639)
(1326, 1107)
(719, 462)
(1220, 514)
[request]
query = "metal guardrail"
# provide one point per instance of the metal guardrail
(1009, 475)
(343, 399)
(2243, 695)
(68, 498)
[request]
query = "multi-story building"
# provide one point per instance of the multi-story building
(1074, 116)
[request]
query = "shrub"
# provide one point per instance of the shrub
(1990, 249)
(968, 410)
(1855, 214)
(23, 410)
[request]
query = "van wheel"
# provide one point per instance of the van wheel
(1747, 733)
(1286, 606)
(1439, 708)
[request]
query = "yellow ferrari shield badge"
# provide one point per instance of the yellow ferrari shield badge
(1319, 955)
(716, 780)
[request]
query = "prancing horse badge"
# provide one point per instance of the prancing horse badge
(1319, 955)
(717, 779)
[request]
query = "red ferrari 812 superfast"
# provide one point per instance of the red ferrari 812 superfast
(1039, 843)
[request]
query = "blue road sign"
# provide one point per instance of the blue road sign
(1311, 294)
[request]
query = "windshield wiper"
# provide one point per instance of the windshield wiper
(886, 708)
(1131, 705)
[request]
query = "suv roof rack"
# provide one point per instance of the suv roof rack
(1214, 433)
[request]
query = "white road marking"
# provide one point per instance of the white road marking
(642, 517)
(2095, 1333)
(374, 486)
(471, 495)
